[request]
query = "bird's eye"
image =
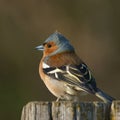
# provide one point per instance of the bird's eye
(49, 45)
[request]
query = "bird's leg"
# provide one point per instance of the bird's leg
(57, 99)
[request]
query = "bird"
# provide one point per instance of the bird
(64, 73)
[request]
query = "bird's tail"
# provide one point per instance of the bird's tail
(106, 98)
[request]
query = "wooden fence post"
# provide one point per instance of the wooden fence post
(67, 110)
(115, 110)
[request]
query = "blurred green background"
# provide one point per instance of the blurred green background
(93, 27)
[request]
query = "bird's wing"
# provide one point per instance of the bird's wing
(76, 75)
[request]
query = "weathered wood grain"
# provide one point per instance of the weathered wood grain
(68, 110)
(115, 110)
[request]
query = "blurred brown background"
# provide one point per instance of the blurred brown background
(93, 27)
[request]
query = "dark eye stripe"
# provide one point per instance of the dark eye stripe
(44, 44)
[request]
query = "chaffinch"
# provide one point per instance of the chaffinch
(64, 73)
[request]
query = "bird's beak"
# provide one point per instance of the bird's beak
(41, 47)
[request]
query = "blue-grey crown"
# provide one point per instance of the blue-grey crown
(61, 42)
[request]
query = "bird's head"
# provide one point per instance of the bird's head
(55, 44)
